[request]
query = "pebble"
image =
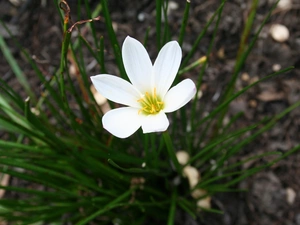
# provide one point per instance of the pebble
(253, 103)
(101, 100)
(141, 17)
(279, 33)
(200, 94)
(285, 4)
(276, 67)
(182, 157)
(204, 203)
(245, 77)
(290, 195)
(192, 175)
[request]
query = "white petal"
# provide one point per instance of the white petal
(137, 64)
(166, 67)
(116, 89)
(122, 122)
(179, 95)
(155, 123)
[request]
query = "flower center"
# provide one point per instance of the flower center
(151, 103)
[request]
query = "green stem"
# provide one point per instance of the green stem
(243, 53)
(158, 23)
(200, 36)
(113, 204)
(113, 39)
(171, 151)
(146, 147)
(63, 61)
(201, 74)
(184, 22)
(172, 208)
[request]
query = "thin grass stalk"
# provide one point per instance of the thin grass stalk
(184, 22)
(240, 163)
(101, 56)
(63, 57)
(85, 78)
(172, 210)
(166, 36)
(158, 6)
(15, 67)
(247, 140)
(186, 206)
(228, 101)
(109, 206)
(243, 54)
(200, 77)
(171, 152)
(210, 146)
(113, 39)
(8, 94)
(145, 41)
(201, 35)
(92, 25)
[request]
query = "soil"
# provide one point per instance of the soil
(269, 199)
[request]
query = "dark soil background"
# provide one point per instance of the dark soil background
(269, 200)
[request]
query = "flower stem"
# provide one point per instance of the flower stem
(146, 147)
(158, 23)
(171, 151)
(184, 22)
(172, 208)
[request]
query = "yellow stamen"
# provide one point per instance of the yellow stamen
(151, 104)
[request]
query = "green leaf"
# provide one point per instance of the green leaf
(109, 206)
(15, 67)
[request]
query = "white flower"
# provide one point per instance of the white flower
(148, 96)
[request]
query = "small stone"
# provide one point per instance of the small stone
(284, 4)
(279, 33)
(226, 120)
(173, 5)
(4, 182)
(198, 193)
(200, 94)
(253, 103)
(72, 70)
(290, 195)
(101, 100)
(192, 174)
(182, 157)
(221, 53)
(245, 77)
(276, 67)
(204, 203)
(141, 17)
(115, 26)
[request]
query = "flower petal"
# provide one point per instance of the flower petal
(155, 123)
(116, 89)
(137, 64)
(166, 67)
(179, 95)
(122, 122)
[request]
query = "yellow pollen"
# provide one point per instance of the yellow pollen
(151, 103)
